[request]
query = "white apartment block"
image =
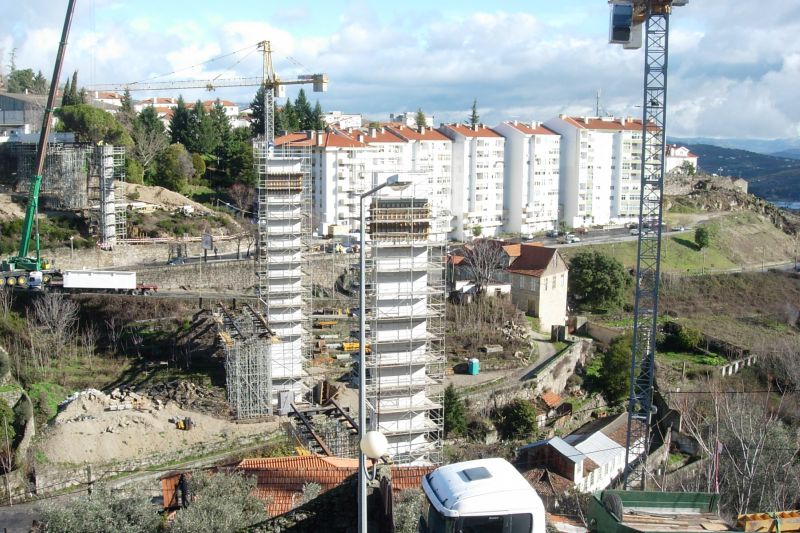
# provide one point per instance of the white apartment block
(344, 162)
(342, 120)
(531, 182)
(600, 169)
(432, 155)
(477, 180)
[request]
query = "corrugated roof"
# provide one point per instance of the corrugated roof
(566, 449)
(597, 447)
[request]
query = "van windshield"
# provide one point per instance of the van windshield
(510, 523)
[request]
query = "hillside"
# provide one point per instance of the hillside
(770, 177)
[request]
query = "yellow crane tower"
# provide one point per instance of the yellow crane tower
(631, 21)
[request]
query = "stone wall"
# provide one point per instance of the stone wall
(237, 276)
(603, 334)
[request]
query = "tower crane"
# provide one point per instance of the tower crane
(274, 86)
(630, 21)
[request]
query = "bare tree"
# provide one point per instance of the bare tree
(88, 340)
(6, 301)
(114, 331)
(483, 258)
(242, 195)
(147, 144)
(56, 318)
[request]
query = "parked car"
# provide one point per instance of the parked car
(569, 238)
(634, 231)
(176, 261)
(552, 233)
(679, 228)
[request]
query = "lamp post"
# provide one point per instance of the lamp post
(395, 183)
(71, 247)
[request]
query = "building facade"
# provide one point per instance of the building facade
(601, 162)
(531, 177)
(677, 156)
(477, 180)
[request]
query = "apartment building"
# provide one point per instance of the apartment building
(477, 180)
(431, 154)
(531, 177)
(600, 169)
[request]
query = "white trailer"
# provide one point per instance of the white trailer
(100, 279)
(487, 495)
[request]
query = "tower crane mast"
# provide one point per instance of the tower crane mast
(632, 20)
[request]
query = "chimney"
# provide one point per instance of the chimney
(309, 134)
(623, 120)
(422, 130)
(383, 130)
(373, 132)
(475, 127)
(320, 138)
(350, 131)
(361, 137)
(516, 123)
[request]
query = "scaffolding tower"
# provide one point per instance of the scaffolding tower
(284, 194)
(106, 194)
(405, 316)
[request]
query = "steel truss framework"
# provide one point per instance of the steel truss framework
(405, 317)
(82, 177)
(640, 408)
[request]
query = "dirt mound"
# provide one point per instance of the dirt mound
(94, 427)
(160, 196)
(9, 209)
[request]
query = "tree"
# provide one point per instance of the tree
(92, 125)
(702, 237)
(483, 258)
(199, 165)
(7, 434)
(220, 503)
(104, 510)
(126, 115)
(477, 230)
(420, 119)
(180, 124)
(517, 419)
(303, 109)
(71, 96)
(149, 138)
(238, 156)
(598, 280)
(242, 195)
(56, 317)
(20, 81)
(291, 119)
(134, 173)
(617, 368)
(257, 112)
(455, 419)
(222, 129)
(474, 118)
(174, 168)
(317, 123)
(203, 137)
(40, 85)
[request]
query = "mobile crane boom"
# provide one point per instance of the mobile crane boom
(22, 261)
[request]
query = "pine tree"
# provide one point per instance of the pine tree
(474, 118)
(40, 85)
(257, 112)
(303, 111)
(291, 120)
(65, 96)
(455, 420)
(74, 98)
(316, 118)
(179, 124)
(421, 119)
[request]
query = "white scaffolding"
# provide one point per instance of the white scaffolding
(405, 310)
(274, 365)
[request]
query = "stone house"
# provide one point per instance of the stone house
(538, 278)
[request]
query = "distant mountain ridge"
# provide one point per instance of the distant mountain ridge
(761, 146)
(770, 177)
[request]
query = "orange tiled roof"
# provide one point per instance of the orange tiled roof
(530, 129)
(551, 399)
(414, 134)
(513, 250)
(280, 480)
(605, 123)
(383, 135)
(533, 260)
(467, 131)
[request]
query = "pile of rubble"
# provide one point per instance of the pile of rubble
(189, 395)
(516, 332)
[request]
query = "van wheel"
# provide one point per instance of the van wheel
(613, 504)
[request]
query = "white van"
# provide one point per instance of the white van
(481, 496)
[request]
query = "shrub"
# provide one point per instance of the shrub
(104, 510)
(516, 419)
(689, 339)
(5, 364)
(615, 375)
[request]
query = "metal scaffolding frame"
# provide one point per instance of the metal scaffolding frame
(405, 315)
(107, 209)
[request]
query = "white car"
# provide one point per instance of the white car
(634, 231)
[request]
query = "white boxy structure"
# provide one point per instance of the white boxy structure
(532, 169)
(476, 495)
(405, 307)
(99, 279)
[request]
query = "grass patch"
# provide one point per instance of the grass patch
(46, 397)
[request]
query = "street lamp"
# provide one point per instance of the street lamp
(395, 183)
(71, 247)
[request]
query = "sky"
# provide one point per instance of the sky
(734, 66)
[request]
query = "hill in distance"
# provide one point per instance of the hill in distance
(770, 177)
